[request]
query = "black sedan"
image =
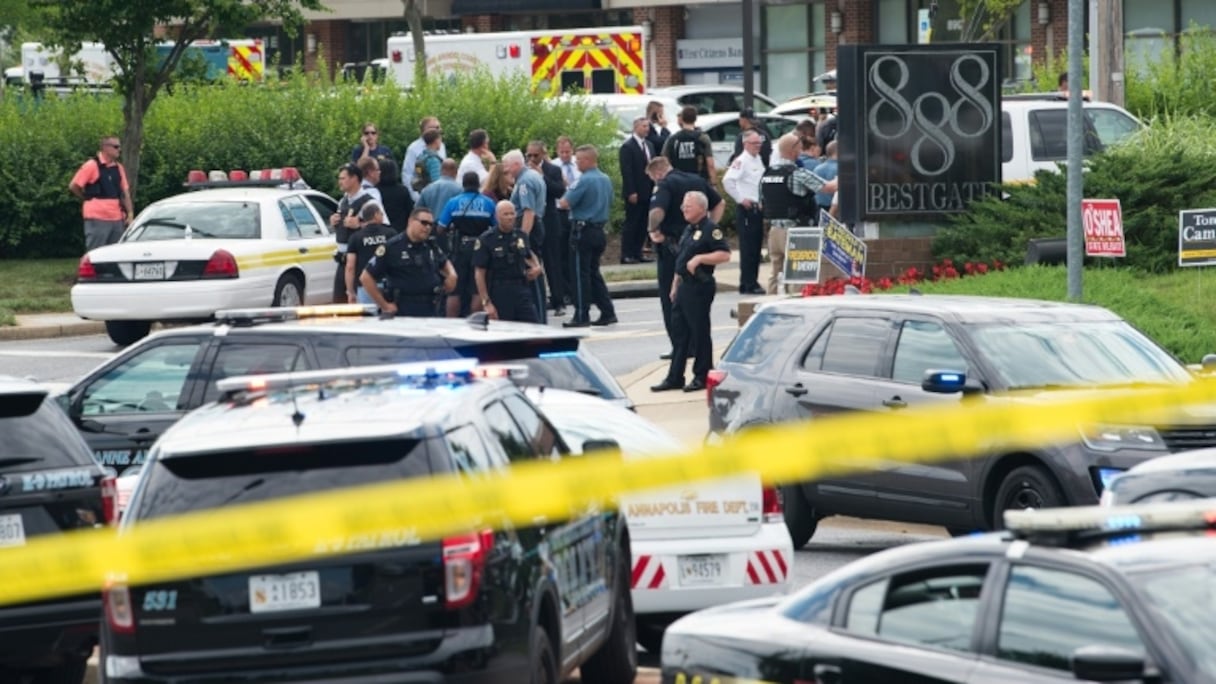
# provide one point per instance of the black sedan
(1098, 594)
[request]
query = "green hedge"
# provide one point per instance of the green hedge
(1169, 167)
(299, 121)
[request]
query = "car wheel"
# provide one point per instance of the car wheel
(800, 516)
(544, 662)
(616, 661)
(289, 291)
(1023, 488)
(127, 332)
(650, 636)
(70, 671)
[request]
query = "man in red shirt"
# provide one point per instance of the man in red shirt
(102, 183)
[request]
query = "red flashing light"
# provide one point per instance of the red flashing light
(397, 56)
(541, 51)
(85, 271)
(773, 509)
(514, 51)
(712, 380)
(237, 175)
(291, 174)
(196, 176)
(221, 265)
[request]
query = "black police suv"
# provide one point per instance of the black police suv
(1121, 594)
(49, 484)
(514, 604)
(801, 359)
(123, 406)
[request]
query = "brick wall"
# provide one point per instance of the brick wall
(482, 23)
(893, 256)
(1052, 39)
(331, 39)
(857, 22)
(667, 26)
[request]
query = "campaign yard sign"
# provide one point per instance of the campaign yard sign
(1102, 220)
(1197, 237)
(803, 252)
(841, 247)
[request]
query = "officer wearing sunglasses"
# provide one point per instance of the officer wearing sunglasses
(417, 269)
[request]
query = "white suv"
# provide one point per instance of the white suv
(1034, 133)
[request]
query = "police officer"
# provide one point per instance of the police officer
(505, 266)
(345, 220)
(702, 247)
(667, 222)
(787, 193)
(364, 244)
(464, 218)
(416, 268)
(528, 195)
(742, 182)
(689, 149)
(589, 201)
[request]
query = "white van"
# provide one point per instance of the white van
(1034, 133)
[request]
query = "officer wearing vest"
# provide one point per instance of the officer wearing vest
(417, 269)
(346, 220)
(667, 223)
(787, 193)
(102, 183)
(702, 247)
(464, 218)
(689, 149)
(365, 244)
(505, 266)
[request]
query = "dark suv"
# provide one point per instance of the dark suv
(812, 357)
(49, 484)
(513, 604)
(123, 406)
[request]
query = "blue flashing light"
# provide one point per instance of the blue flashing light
(1106, 475)
(951, 377)
(1124, 540)
(557, 355)
(434, 369)
(1124, 522)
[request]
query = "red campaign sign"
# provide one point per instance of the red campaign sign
(1103, 223)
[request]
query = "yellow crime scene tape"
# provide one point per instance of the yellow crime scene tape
(287, 530)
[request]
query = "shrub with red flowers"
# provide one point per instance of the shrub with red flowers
(945, 270)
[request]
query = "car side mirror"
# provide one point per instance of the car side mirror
(1107, 664)
(1209, 363)
(592, 445)
(950, 382)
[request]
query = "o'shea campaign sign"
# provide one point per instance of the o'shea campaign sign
(1103, 223)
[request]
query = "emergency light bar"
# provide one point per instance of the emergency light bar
(278, 314)
(287, 175)
(423, 375)
(1098, 521)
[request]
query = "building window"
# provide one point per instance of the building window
(894, 24)
(793, 37)
(1149, 27)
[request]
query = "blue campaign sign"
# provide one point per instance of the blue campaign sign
(841, 247)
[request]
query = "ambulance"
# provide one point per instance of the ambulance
(593, 60)
(91, 65)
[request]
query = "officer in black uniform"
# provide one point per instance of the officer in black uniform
(504, 266)
(464, 218)
(667, 223)
(365, 244)
(702, 247)
(418, 271)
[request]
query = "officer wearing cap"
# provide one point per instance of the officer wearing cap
(464, 218)
(417, 270)
(702, 247)
(366, 243)
(505, 266)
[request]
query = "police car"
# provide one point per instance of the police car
(513, 604)
(230, 244)
(1092, 594)
(695, 546)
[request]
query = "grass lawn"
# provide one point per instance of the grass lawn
(1178, 309)
(36, 286)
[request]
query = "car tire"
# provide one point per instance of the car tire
(544, 661)
(1026, 487)
(289, 291)
(70, 671)
(616, 661)
(650, 636)
(800, 518)
(125, 333)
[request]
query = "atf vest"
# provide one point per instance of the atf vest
(108, 184)
(688, 153)
(779, 201)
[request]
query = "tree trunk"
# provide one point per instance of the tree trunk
(413, 17)
(135, 102)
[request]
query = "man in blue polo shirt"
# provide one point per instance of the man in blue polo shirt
(464, 218)
(528, 196)
(589, 201)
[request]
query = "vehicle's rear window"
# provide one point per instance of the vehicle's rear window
(41, 440)
(761, 337)
(227, 220)
(571, 371)
(515, 349)
(180, 484)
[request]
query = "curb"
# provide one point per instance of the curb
(38, 332)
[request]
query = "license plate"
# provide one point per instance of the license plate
(150, 271)
(701, 571)
(12, 531)
(295, 591)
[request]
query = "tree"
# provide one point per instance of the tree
(983, 18)
(413, 17)
(127, 29)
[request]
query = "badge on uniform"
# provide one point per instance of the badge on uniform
(717, 234)
(380, 251)
(696, 235)
(477, 243)
(519, 243)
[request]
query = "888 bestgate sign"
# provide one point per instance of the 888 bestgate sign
(920, 129)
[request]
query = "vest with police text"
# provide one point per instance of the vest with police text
(779, 201)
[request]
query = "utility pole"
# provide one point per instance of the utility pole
(1076, 44)
(1106, 52)
(749, 59)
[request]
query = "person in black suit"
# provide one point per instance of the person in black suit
(636, 188)
(659, 133)
(555, 244)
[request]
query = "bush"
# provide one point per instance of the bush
(1174, 84)
(1167, 168)
(302, 120)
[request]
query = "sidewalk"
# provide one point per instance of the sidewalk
(45, 326)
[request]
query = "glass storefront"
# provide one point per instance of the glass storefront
(793, 49)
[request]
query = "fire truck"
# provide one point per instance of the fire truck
(240, 59)
(593, 60)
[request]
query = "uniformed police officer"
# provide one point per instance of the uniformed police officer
(787, 193)
(365, 244)
(464, 218)
(528, 195)
(667, 222)
(702, 247)
(589, 200)
(505, 266)
(417, 269)
(742, 182)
